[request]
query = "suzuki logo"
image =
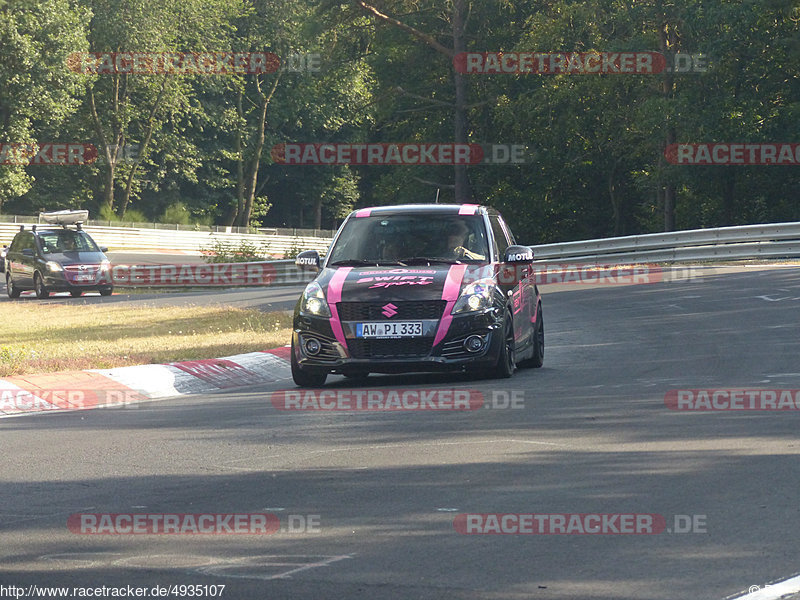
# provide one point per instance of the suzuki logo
(389, 310)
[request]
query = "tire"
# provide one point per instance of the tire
(537, 360)
(505, 359)
(75, 293)
(12, 290)
(38, 285)
(306, 377)
(106, 291)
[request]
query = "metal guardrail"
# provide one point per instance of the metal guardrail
(777, 240)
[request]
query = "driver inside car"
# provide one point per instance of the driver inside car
(458, 240)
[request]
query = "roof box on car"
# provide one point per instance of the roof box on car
(64, 217)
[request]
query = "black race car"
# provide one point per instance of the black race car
(418, 288)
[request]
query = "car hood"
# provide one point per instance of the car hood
(375, 284)
(75, 258)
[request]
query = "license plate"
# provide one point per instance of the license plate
(82, 278)
(390, 330)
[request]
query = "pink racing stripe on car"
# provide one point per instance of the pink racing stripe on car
(452, 287)
(334, 296)
(467, 209)
(363, 212)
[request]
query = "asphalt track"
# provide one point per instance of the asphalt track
(592, 435)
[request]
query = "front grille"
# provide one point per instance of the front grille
(395, 348)
(373, 311)
(77, 268)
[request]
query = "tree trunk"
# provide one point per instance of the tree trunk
(669, 191)
(239, 209)
(108, 190)
(462, 191)
(251, 178)
(143, 151)
(729, 197)
(667, 42)
(612, 195)
(318, 213)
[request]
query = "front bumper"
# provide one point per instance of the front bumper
(398, 355)
(58, 281)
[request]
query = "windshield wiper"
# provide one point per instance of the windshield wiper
(353, 262)
(388, 263)
(430, 260)
(357, 262)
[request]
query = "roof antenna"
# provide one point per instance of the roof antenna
(437, 196)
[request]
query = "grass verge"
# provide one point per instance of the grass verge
(45, 338)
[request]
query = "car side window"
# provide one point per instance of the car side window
(500, 236)
(16, 243)
(22, 242)
(507, 229)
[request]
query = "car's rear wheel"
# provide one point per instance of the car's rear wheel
(106, 291)
(39, 286)
(505, 360)
(537, 360)
(12, 290)
(75, 293)
(306, 377)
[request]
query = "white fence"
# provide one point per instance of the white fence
(129, 238)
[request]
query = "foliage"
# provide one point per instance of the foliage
(197, 148)
(219, 251)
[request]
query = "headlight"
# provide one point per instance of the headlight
(476, 296)
(313, 302)
(105, 265)
(53, 266)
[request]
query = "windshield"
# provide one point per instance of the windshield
(409, 237)
(66, 240)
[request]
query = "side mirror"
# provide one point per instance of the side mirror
(307, 260)
(518, 254)
(103, 249)
(27, 252)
